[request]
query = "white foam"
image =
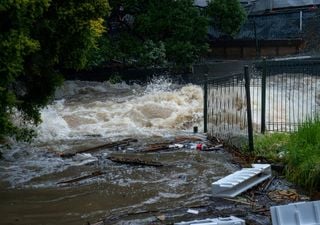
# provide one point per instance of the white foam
(157, 108)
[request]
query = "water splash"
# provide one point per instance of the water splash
(91, 108)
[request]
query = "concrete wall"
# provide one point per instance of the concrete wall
(248, 49)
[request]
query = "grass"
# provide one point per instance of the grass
(299, 151)
(303, 159)
(272, 146)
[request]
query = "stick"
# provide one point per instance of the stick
(134, 161)
(94, 174)
(107, 145)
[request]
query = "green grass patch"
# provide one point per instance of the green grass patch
(303, 158)
(298, 151)
(272, 146)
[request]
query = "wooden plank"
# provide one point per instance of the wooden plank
(134, 161)
(99, 147)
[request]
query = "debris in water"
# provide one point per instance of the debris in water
(93, 174)
(97, 148)
(193, 211)
(133, 161)
(240, 181)
(156, 147)
(84, 159)
(176, 146)
(161, 217)
(232, 220)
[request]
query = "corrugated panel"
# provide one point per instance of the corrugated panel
(262, 5)
(301, 213)
(240, 181)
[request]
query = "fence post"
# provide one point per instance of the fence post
(249, 115)
(263, 96)
(256, 38)
(205, 104)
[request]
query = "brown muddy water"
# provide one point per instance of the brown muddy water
(89, 114)
(123, 189)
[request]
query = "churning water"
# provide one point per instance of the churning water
(89, 114)
(92, 108)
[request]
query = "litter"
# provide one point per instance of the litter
(176, 146)
(196, 146)
(232, 220)
(240, 181)
(300, 213)
(193, 211)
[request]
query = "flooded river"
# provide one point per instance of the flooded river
(89, 114)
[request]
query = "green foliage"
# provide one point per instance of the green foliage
(304, 156)
(271, 146)
(153, 33)
(37, 38)
(227, 15)
(115, 78)
(300, 151)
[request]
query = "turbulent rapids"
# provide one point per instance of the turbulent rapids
(85, 114)
(105, 110)
(88, 114)
(34, 178)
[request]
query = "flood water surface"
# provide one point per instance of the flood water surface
(38, 186)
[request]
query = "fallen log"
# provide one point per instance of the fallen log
(134, 161)
(93, 174)
(97, 148)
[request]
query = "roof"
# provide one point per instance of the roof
(255, 6)
(269, 5)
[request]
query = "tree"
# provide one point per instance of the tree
(37, 39)
(153, 33)
(227, 15)
(168, 32)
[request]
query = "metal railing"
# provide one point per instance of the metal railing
(280, 95)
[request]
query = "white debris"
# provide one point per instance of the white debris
(300, 213)
(232, 220)
(240, 181)
(193, 211)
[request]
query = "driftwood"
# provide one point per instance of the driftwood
(186, 138)
(133, 161)
(156, 147)
(97, 148)
(93, 174)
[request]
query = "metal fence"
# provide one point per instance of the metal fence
(283, 94)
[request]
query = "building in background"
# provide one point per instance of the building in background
(273, 28)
